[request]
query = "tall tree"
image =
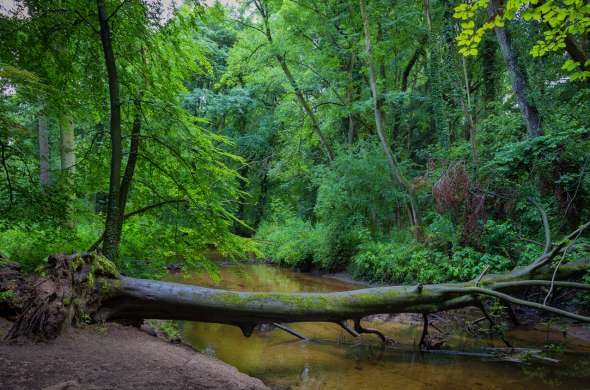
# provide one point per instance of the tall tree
(43, 139)
(111, 233)
(519, 84)
(394, 168)
(264, 12)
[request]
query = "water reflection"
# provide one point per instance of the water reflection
(334, 360)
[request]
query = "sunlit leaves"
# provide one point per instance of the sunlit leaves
(559, 20)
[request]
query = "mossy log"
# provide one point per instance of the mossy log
(88, 285)
(135, 299)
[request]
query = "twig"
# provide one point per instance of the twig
(545, 225)
(290, 331)
(557, 267)
(424, 331)
(481, 275)
(347, 328)
(511, 299)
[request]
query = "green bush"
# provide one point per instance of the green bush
(410, 262)
(397, 262)
(288, 242)
(30, 244)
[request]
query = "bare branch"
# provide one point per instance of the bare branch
(116, 10)
(482, 275)
(522, 302)
(545, 225)
(290, 331)
(347, 328)
(557, 268)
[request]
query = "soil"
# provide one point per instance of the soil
(112, 356)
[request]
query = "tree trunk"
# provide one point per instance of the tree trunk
(43, 139)
(264, 13)
(519, 85)
(306, 107)
(576, 53)
(9, 188)
(350, 98)
(67, 147)
(130, 167)
(468, 113)
(396, 132)
(90, 284)
(111, 243)
(137, 299)
(489, 69)
(391, 160)
(437, 104)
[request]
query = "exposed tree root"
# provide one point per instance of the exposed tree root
(71, 288)
(62, 297)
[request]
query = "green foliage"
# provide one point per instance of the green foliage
(7, 295)
(411, 262)
(394, 262)
(169, 329)
(182, 165)
(558, 19)
(288, 241)
(30, 244)
(228, 151)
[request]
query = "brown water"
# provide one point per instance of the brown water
(334, 360)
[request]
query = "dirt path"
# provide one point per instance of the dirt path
(113, 357)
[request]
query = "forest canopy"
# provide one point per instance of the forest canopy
(403, 141)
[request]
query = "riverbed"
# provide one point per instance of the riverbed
(334, 360)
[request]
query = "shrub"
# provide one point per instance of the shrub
(397, 262)
(30, 244)
(411, 262)
(288, 242)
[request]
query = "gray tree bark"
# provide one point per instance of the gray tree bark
(43, 139)
(90, 284)
(391, 160)
(67, 145)
(519, 85)
(281, 59)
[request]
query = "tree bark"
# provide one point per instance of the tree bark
(391, 160)
(136, 299)
(468, 113)
(67, 146)
(130, 167)
(88, 283)
(576, 53)
(396, 132)
(350, 97)
(111, 244)
(9, 188)
(67, 150)
(43, 139)
(263, 10)
(519, 85)
(437, 104)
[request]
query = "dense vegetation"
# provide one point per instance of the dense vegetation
(339, 134)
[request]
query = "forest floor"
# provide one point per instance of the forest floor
(112, 356)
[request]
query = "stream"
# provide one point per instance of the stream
(334, 360)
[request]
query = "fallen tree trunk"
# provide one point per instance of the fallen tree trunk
(135, 299)
(98, 291)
